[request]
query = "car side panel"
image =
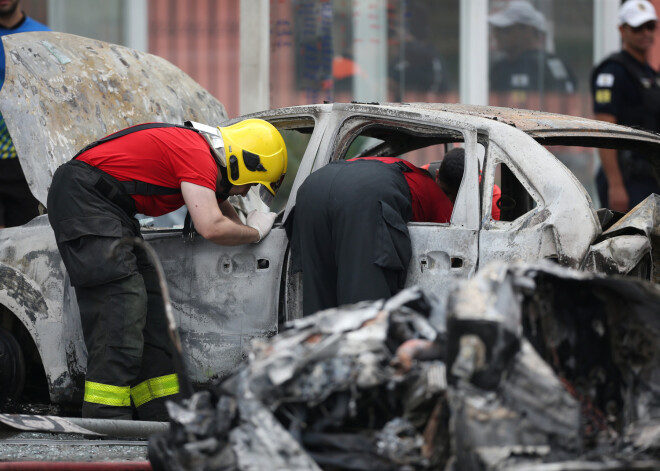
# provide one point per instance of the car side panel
(440, 252)
(222, 297)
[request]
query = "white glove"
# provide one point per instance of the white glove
(262, 222)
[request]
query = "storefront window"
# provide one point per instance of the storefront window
(99, 19)
(363, 50)
(541, 55)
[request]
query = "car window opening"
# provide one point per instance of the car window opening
(514, 200)
(425, 150)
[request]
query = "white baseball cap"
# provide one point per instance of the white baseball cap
(518, 12)
(636, 12)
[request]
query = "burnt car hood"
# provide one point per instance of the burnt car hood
(63, 91)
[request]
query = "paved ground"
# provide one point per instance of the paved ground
(30, 446)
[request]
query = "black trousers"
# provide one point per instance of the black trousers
(349, 233)
(129, 352)
(638, 188)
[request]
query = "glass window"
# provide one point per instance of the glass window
(422, 51)
(98, 19)
(364, 50)
(541, 55)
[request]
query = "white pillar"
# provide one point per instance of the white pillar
(370, 49)
(606, 33)
(56, 15)
(136, 25)
(473, 52)
(254, 74)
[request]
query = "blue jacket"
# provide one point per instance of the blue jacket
(28, 24)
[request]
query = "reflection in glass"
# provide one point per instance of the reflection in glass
(540, 58)
(363, 50)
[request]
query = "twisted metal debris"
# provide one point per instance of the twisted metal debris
(524, 367)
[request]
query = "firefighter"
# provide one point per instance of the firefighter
(448, 174)
(152, 169)
(349, 235)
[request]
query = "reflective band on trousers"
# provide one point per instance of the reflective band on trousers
(154, 388)
(98, 393)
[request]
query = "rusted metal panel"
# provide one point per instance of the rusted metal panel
(63, 91)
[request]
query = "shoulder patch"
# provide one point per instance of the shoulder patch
(603, 96)
(519, 81)
(557, 68)
(605, 80)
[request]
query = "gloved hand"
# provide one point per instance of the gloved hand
(262, 222)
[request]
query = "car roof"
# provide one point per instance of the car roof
(544, 125)
(64, 91)
(547, 128)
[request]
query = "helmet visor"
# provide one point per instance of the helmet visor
(267, 191)
(275, 186)
(265, 195)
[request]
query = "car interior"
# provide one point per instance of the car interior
(424, 145)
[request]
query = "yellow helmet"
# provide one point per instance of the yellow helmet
(255, 153)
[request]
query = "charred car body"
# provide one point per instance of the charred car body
(525, 367)
(63, 91)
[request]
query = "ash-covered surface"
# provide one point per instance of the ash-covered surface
(34, 446)
(536, 368)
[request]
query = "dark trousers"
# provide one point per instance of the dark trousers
(638, 188)
(349, 233)
(121, 307)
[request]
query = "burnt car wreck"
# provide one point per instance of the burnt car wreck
(530, 367)
(512, 367)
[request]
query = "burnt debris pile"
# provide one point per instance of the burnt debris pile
(533, 365)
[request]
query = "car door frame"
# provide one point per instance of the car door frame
(435, 246)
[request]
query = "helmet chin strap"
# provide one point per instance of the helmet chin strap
(224, 186)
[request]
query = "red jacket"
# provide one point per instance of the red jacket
(497, 194)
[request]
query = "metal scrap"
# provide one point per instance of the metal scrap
(325, 393)
(537, 367)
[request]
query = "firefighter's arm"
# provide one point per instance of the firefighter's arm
(229, 211)
(209, 220)
(617, 193)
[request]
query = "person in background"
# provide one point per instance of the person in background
(448, 174)
(349, 235)
(525, 74)
(152, 169)
(525, 66)
(414, 65)
(17, 204)
(626, 90)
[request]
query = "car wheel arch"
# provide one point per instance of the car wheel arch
(23, 307)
